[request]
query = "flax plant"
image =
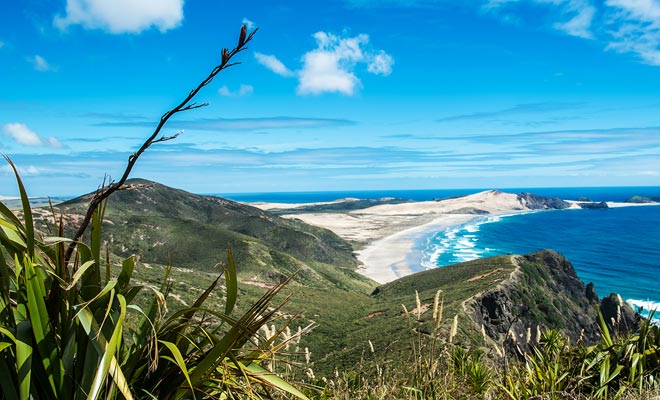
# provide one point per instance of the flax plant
(63, 328)
(64, 331)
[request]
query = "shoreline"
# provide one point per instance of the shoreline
(400, 254)
(388, 237)
(388, 259)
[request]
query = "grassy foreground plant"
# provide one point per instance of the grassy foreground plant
(63, 315)
(625, 367)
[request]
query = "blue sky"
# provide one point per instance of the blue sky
(333, 95)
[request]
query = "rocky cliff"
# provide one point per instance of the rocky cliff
(544, 292)
(535, 202)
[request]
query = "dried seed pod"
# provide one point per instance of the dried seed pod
(241, 37)
(225, 56)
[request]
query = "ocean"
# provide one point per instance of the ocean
(617, 249)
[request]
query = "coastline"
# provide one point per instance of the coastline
(389, 258)
(388, 238)
(385, 236)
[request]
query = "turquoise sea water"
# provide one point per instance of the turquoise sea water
(617, 249)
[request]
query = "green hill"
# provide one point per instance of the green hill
(162, 224)
(350, 312)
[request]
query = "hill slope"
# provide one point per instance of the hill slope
(507, 295)
(162, 224)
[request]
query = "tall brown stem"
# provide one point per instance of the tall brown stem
(105, 191)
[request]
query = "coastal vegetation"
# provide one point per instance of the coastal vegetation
(151, 292)
(338, 336)
(74, 325)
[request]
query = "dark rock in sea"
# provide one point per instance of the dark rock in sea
(619, 315)
(535, 202)
(597, 205)
(583, 198)
(643, 199)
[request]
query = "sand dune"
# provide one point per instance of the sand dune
(368, 225)
(385, 234)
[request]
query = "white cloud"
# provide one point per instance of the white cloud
(623, 26)
(30, 170)
(122, 16)
(331, 66)
(323, 72)
(381, 64)
(27, 137)
(40, 64)
(635, 28)
(249, 24)
(580, 12)
(272, 63)
(54, 143)
(243, 90)
(580, 24)
(643, 10)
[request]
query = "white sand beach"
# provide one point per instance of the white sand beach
(385, 234)
(387, 259)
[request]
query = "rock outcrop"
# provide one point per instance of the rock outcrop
(545, 293)
(535, 202)
(643, 199)
(594, 205)
(618, 314)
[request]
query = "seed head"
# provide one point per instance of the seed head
(241, 37)
(454, 328)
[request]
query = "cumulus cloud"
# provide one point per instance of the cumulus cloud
(27, 137)
(122, 16)
(243, 90)
(329, 68)
(40, 64)
(332, 66)
(273, 63)
(381, 64)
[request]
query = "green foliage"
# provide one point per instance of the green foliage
(435, 367)
(625, 367)
(615, 367)
(64, 331)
